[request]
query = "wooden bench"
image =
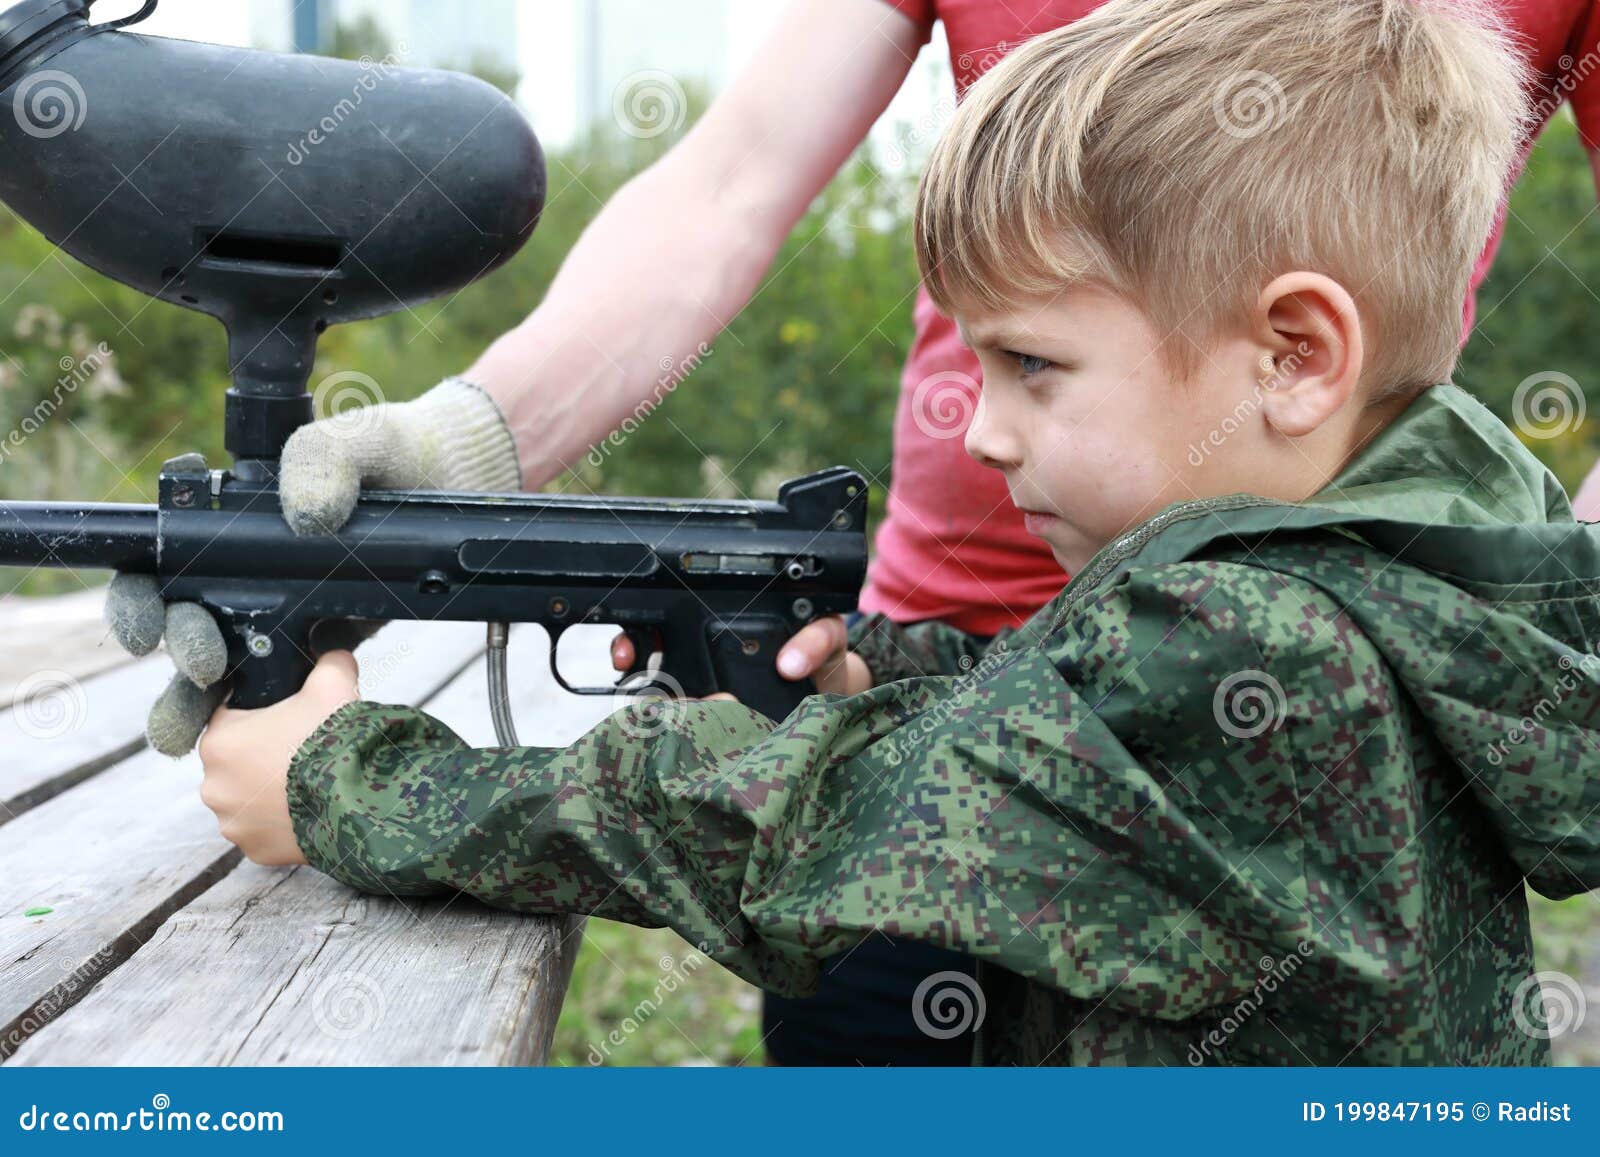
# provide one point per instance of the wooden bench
(163, 946)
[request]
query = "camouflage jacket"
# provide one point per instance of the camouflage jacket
(1262, 785)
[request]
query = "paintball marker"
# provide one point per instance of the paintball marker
(167, 172)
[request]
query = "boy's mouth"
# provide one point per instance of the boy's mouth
(1038, 522)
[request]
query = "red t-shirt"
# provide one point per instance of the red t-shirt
(953, 546)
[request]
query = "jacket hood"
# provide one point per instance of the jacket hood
(1507, 673)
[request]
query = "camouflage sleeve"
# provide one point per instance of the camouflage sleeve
(1033, 811)
(906, 650)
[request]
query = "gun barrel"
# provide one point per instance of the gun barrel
(94, 535)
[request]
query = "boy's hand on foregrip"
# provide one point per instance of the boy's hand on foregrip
(819, 649)
(453, 437)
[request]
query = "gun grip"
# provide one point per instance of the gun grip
(744, 658)
(267, 667)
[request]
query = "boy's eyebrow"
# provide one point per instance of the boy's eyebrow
(983, 337)
(996, 336)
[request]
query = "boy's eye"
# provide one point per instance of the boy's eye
(1028, 363)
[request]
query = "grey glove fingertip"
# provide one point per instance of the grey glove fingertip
(180, 714)
(134, 612)
(195, 643)
(318, 492)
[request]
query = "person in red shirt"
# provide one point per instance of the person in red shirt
(678, 252)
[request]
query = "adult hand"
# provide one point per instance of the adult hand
(453, 437)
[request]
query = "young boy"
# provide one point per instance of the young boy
(1262, 785)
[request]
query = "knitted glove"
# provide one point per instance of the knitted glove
(451, 438)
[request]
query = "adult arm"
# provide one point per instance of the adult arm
(680, 249)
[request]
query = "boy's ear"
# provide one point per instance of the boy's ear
(1310, 328)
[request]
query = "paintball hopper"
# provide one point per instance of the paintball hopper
(280, 194)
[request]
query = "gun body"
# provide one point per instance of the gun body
(432, 180)
(714, 587)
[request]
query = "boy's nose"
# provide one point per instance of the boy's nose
(988, 440)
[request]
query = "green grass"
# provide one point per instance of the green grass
(645, 997)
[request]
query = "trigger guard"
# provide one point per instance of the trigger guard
(642, 651)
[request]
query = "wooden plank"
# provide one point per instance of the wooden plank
(64, 730)
(59, 632)
(287, 966)
(293, 962)
(117, 854)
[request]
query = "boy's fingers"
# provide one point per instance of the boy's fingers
(337, 673)
(621, 653)
(815, 648)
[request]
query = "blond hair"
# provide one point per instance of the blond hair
(1184, 152)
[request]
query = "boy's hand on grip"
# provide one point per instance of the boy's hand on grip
(820, 650)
